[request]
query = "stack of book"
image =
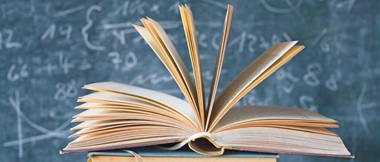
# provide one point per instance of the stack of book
(120, 116)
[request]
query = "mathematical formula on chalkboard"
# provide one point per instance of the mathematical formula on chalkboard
(49, 50)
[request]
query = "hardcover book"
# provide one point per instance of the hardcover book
(147, 154)
(125, 116)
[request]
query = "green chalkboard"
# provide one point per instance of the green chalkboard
(50, 49)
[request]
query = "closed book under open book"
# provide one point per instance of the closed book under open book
(147, 154)
(125, 116)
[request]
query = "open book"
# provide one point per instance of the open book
(124, 116)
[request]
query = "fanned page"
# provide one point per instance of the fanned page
(272, 116)
(316, 141)
(121, 116)
(192, 43)
(153, 97)
(257, 71)
(272, 128)
(156, 37)
(124, 103)
(218, 64)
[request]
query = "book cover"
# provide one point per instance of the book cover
(183, 155)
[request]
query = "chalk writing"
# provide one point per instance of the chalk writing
(361, 105)
(88, 26)
(132, 7)
(311, 78)
(85, 65)
(307, 102)
(252, 98)
(174, 7)
(65, 90)
(151, 79)
(129, 61)
(17, 71)
(214, 41)
(15, 102)
(68, 11)
(241, 40)
(332, 82)
(6, 40)
(291, 7)
(201, 40)
(50, 68)
(115, 58)
(64, 63)
(216, 3)
(64, 30)
(344, 5)
(286, 80)
(248, 41)
(59, 132)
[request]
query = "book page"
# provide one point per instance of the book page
(104, 125)
(218, 64)
(270, 115)
(278, 140)
(282, 60)
(101, 114)
(157, 38)
(134, 132)
(192, 43)
(100, 124)
(247, 79)
(174, 57)
(128, 139)
(150, 96)
(117, 99)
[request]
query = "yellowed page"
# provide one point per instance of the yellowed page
(136, 132)
(118, 99)
(117, 103)
(285, 58)
(127, 139)
(97, 114)
(107, 132)
(125, 107)
(96, 99)
(126, 124)
(242, 83)
(272, 115)
(317, 130)
(218, 64)
(173, 56)
(148, 38)
(152, 38)
(150, 96)
(131, 119)
(192, 43)
(94, 124)
(278, 140)
(122, 105)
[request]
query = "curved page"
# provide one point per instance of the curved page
(242, 83)
(244, 114)
(147, 95)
